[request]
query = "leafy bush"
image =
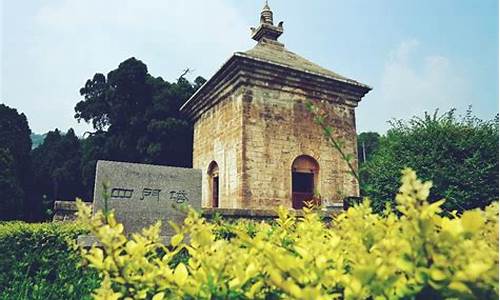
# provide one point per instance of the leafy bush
(36, 262)
(459, 155)
(419, 252)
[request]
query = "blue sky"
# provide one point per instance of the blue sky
(417, 55)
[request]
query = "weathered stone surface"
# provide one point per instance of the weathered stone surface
(87, 241)
(218, 138)
(278, 129)
(142, 194)
(259, 214)
(255, 135)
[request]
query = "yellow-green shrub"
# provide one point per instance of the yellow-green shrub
(414, 252)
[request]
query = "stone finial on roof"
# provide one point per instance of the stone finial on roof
(266, 16)
(266, 29)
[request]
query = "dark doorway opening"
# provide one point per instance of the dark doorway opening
(213, 183)
(302, 188)
(305, 170)
(215, 191)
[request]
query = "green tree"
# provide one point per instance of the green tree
(57, 169)
(136, 118)
(16, 145)
(367, 145)
(12, 195)
(459, 155)
(93, 148)
(67, 175)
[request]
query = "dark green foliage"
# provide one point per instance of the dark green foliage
(12, 194)
(93, 148)
(136, 119)
(15, 163)
(56, 170)
(367, 145)
(36, 262)
(181, 257)
(459, 155)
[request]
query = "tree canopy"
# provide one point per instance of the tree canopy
(57, 169)
(136, 118)
(15, 166)
(459, 155)
(367, 145)
(12, 195)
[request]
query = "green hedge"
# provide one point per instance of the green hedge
(37, 262)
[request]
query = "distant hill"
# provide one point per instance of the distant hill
(37, 139)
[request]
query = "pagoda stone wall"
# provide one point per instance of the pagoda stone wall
(277, 128)
(254, 136)
(218, 137)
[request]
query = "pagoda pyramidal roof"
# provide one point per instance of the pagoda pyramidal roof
(270, 52)
(276, 53)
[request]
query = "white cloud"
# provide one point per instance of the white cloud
(411, 84)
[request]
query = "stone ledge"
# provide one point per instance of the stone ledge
(87, 241)
(336, 208)
(66, 210)
(66, 205)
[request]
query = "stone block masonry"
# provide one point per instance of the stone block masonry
(278, 129)
(255, 135)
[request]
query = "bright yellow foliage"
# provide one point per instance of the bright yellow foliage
(416, 251)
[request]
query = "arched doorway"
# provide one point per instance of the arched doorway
(305, 171)
(213, 183)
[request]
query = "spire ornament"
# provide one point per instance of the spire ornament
(266, 16)
(266, 29)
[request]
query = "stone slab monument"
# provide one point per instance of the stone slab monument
(142, 194)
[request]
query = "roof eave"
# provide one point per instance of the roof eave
(205, 89)
(207, 83)
(348, 81)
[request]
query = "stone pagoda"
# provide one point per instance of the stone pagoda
(255, 140)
